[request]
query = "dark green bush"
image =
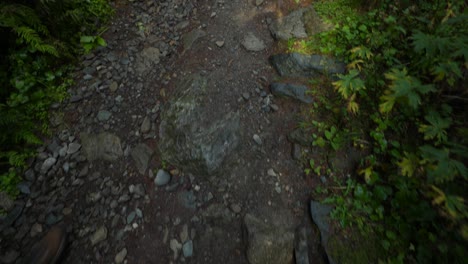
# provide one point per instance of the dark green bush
(406, 87)
(40, 39)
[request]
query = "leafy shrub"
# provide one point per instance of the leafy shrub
(406, 86)
(41, 40)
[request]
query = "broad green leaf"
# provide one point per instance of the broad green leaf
(87, 39)
(349, 83)
(101, 42)
(408, 164)
(436, 129)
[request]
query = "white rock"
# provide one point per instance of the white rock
(175, 246)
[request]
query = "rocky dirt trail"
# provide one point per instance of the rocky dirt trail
(172, 147)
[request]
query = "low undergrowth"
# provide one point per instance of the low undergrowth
(403, 103)
(41, 40)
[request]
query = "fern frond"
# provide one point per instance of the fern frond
(31, 37)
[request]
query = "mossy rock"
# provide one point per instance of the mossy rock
(354, 248)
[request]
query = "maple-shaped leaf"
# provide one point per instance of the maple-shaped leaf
(406, 88)
(408, 164)
(436, 129)
(349, 83)
(443, 167)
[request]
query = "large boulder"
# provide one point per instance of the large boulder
(298, 92)
(270, 234)
(301, 23)
(306, 66)
(194, 137)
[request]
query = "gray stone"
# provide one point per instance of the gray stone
(139, 213)
(36, 229)
(301, 246)
(131, 217)
(258, 2)
(124, 198)
(301, 23)
(138, 189)
(175, 246)
(48, 163)
(296, 152)
(182, 25)
(6, 203)
(219, 43)
(99, 235)
(120, 257)
(162, 178)
(104, 115)
(190, 137)
(301, 137)
(104, 146)
(73, 148)
(141, 154)
(146, 125)
(257, 139)
(270, 236)
(294, 91)
(306, 66)
(52, 219)
(11, 216)
(321, 216)
(290, 26)
(113, 86)
(252, 43)
(190, 38)
(147, 59)
(29, 175)
(24, 188)
(236, 208)
(184, 234)
(187, 249)
(271, 172)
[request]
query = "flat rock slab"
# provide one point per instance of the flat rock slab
(290, 26)
(5, 202)
(141, 154)
(252, 43)
(270, 234)
(105, 146)
(190, 137)
(321, 216)
(190, 38)
(148, 58)
(301, 23)
(305, 66)
(298, 92)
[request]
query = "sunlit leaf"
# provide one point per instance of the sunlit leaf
(408, 164)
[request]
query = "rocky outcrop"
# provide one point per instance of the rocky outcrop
(190, 137)
(298, 92)
(270, 235)
(301, 65)
(301, 23)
